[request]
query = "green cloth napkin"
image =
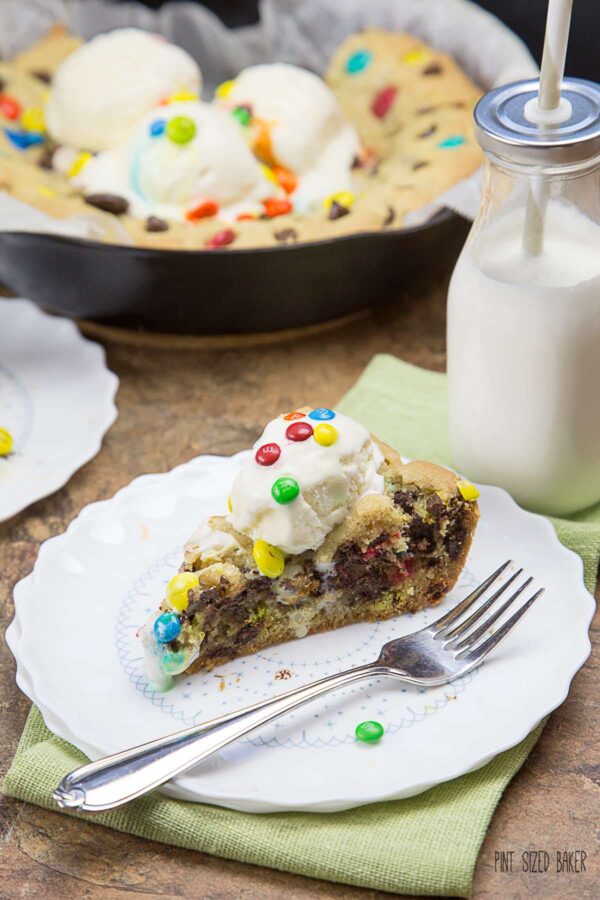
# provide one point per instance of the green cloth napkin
(426, 844)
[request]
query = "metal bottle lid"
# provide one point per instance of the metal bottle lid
(503, 124)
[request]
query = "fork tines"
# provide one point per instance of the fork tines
(456, 632)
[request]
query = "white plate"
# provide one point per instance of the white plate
(74, 638)
(56, 399)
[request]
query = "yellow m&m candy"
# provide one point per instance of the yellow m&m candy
(6, 442)
(342, 198)
(225, 89)
(33, 119)
(413, 56)
(269, 559)
(79, 164)
(182, 96)
(229, 505)
(325, 434)
(178, 587)
(467, 490)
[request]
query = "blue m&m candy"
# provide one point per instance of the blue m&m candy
(24, 139)
(321, 414)
(167, 627)
(358, 61)
(456, 140)
(157, 127)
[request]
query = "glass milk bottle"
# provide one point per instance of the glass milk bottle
(523, 324)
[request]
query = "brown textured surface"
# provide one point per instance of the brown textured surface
(552, 804)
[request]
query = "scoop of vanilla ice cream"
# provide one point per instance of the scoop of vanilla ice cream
(307, 132)
(100, 91)
(331, 480)
(161, 177)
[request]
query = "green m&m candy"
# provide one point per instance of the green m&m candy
(181, 129)
(369, 732)
(285, 490)
(243, 114)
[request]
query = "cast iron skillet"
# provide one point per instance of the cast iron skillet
(212, 292)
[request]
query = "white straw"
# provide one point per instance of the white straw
(551, 76)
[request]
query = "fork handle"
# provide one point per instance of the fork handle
(116, 779)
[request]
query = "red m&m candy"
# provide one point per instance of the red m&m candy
(383, 101)
(221, 239)
(299, 431)
(9, 107)
(267, 454)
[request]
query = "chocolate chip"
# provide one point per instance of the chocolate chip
(390, 216)
(286, 235)
(45, 158)
(433, 69)
(459, 104)
(419, 165)
(428, 131)
(435, 506)
(337, 211)
(111, 203)
(153, 223)
(405, 498)
(42, 75)
(357, 163)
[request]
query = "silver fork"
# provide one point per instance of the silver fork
(435, 655)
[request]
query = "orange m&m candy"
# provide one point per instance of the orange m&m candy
(203, 210)
(274, 207)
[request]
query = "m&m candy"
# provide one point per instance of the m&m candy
(229, 505)
(221, 239)
(178, 587)
(267, 454)
(292, 416)
(182, 97)
(369, 732)
(412, 57)
(156, 128)
(326, 435)
(383, 101)
(181, 129)
(467, 490)
(33, 119)
(243, 114)
(79, 164)
(456, 140)
(167, 627)
(24, 139)
(9, 107)
(321, 414)
(358, 62)
(274, 207)
(342, 198)
(299, 431)
(204, 210)
(225, 89)
(269, 559)
(6, 442)
(285, 490)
